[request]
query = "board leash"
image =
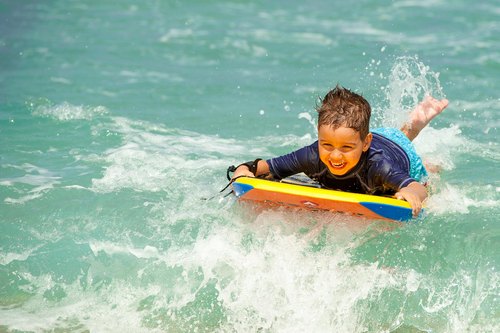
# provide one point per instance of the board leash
(231, 168)
(252, 166)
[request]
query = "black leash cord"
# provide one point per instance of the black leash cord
(225, 187)
(252, 166)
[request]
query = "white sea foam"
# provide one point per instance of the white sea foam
(440, 146)
(465, 294)
(80, 310)
(112, 248)
(301, 89)
(264, 35)
(312, 38)
(39, 179)
(257, 287)
(8, 257)
(365, 28)
(34, 176)
(66, 111)
(151, 76)
(61, 80)
(243, 45)
(450, 199)
(173, 34)
(424, 4)
(488, 105)
(478, 114)
(262, 289)
(155, 158)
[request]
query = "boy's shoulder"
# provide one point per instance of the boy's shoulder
(387, 164)
(378, 149)
(382, 147)
(385, 151)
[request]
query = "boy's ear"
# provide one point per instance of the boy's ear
(367, 142)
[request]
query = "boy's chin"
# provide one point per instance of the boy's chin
(339, 172)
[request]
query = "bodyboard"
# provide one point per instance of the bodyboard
(306, 195)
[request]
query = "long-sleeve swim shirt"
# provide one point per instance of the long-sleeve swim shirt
(384, 168)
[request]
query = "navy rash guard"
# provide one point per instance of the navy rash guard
(384, 168)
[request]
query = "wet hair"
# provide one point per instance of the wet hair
(342, 107)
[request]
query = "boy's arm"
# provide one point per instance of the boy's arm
(243, 170)
(304, 160)
(415, 193)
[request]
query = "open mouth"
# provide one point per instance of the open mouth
(337, 165)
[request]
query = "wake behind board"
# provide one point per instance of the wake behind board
(305, 196)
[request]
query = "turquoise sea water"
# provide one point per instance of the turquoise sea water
(118, 117)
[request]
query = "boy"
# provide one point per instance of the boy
(348, 157)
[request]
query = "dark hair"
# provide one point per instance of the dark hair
(342, 107)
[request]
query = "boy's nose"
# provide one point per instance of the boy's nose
(335, 154)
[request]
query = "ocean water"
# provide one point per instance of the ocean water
(117, 119)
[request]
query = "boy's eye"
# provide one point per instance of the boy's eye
(330, 147)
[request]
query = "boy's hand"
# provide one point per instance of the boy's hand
(412, 199)
(415, 193)
(242, 171)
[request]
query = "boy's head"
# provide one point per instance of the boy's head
(342, 107)
(343, 130)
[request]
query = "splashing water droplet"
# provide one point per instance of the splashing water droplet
(409, 81)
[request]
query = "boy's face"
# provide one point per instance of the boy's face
(340, 149)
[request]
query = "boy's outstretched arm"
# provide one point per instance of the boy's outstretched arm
(415, 193)
(243, 170)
